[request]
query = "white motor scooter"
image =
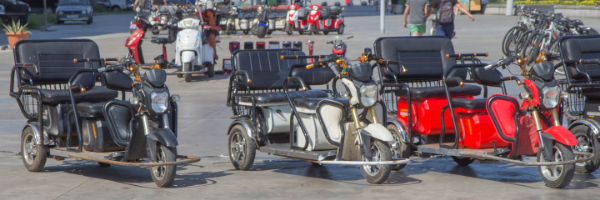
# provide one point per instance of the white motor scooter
(193, 53)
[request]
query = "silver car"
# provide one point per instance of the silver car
(74, 10)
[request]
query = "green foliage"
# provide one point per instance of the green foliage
(15, 27)
(550, 2)
(99, 9)
(36, 20)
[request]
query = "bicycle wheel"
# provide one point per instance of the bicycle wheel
(530, 51)
(507, 38)
(522, 40)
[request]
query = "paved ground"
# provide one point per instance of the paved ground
(204, 119)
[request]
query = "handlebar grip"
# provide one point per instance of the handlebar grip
(81, 60)
(588, 61)
(452, 55)
(481, 54)
(283, 57)
(468, 54)
(490, 66)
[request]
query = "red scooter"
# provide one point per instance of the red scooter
(134, 42)
(331, 19)
(313, 19)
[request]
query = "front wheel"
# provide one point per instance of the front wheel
(310, 29)
(377, 173)
(261, 31)
(557, 176)
(34, 155)
(586, 143)
(246, 32)
(241, 148)
(188, 76)
(210, 68)
(398, 148)
(155, 30)
(90, 20)
(463, 161)
(164, 176)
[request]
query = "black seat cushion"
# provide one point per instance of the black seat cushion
(161, 40)
(90, 109)
(477, 103)
(96, 94)
(581, 47)
(439, 91)
(277, 97)
(264, 67)
(311, 103)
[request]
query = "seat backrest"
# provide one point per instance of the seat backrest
(335, 10)
(325, 12)
(302, 13)
(423, 57)
(487, 77)
(264, 67)
(54, 58)
(581, 47)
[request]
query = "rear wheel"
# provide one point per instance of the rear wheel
(164, 176)
(398, 148)
(340, 29)
(532, 49)
(586, 143)
(463, 161)
(241, 148)
(246, 32)
(155, 30)
(34, 155)
(521, 41)
(229, 29)
(377, 173)
(261, 31)
(326, 32)
(188, 76)
(310, 29)
(506, 40)
(557, 176)
(210, 68)
(116, 9)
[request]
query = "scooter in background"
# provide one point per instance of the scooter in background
(193, 55)
(313, 19)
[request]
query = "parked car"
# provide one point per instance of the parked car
(37, 6)
(74, 10)
(104, 3)
(12, 6)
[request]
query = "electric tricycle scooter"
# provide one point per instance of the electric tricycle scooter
(277, 113)
(194, 55)
(69, 117)
(331, 19)
(486, 129)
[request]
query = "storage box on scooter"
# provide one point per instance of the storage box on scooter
(477, 129)
(426, 113)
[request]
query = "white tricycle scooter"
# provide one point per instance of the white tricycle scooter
(193, 53)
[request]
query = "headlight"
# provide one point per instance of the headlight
(368, 95)
(551, 96)
(159, 102)
(84, 11)
(138, 9)
(60, 12)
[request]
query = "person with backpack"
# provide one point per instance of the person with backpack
(415, 15)
(445, 16)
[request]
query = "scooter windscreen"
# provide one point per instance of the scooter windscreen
(544, 70)
(361, 72)
(156, 77)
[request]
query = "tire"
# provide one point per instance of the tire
(398, 148)
(373, 173)
(261, 31)
(531, 50)
(179, 75)
(23, 19)
(522, 40)
(104, 164)
(155, 31)
(326, 32)
(340, 30)
(229, 29)
(91, 20)
(241, 148)
(587, 143)
(164, 176)
(34, 156)
(246, 32)
(548, 174)
(507, 37)
(463, 161)
(210, 70)
(116, 9)
(310, 29)
(188, 77)
(300, 32)
(289, 32)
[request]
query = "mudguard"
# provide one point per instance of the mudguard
(188, 57)
(401, 129)
(592, 124)
(247, 124)
(40, 139)
(163, 135)
(379, 132)
(562, 135)
(338, 22)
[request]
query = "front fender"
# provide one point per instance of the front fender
(164, 136)
(338, 22)
(247, 124)
(593, 125)
(379, 132)
(562, 135)
(400, 127)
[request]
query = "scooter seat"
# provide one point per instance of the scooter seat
(277, 97)
(97, 94)
(312, 103)
(161, 40)
(592, 93)
(439, 91)
(471, 104)
(90, 109)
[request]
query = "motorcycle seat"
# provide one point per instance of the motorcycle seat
(439, 91)
(471, 104)
(90, 109)
(278, 97)
(97, 94)
(312, 103)
(161, 40)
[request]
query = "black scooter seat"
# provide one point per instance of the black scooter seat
(277, 97)
(312, 103)
(161, 40)
(439, 91)
(472, 104)
(97, 94)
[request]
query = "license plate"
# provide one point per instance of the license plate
(72, 16)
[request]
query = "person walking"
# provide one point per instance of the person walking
(445, 16)
(415, 16)
(394, 5)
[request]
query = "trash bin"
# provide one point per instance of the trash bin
(297, 44)
(260, 45)
(273, 44)
(286, 45)
(248, 45)
(234, 45)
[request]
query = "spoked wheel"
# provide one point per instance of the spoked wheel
(521, 41)
(34, 155)
(463, 161)
(532, 49)
(507, 39)
(188, 77)
(164, 176)
(586, 143)
(241, 148)
(377, 173)
(557, 176)
(399, 149)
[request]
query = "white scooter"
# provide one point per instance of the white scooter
(193, 53)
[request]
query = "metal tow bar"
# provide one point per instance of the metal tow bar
(518, 162)
(393, 162)
(189, 159)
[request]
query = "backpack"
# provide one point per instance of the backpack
(446, 12)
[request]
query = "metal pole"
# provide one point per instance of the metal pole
(509, 6)
(382, 15)
(45, 15)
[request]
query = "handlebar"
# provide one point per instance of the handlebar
(502, 61)
(94, 60)
(589, 61)
(468, 54)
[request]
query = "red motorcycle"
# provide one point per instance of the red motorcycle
(134, 42)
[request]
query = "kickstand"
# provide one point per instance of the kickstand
(495, 150)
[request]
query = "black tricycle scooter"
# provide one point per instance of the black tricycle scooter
(70, 117)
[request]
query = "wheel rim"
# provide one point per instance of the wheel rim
(396, 146)
(29, 150)
(552, 173)
(584, 144)
(372, 170)
(159, 172)
(238, 147)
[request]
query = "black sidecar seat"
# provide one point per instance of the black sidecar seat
(439, 91)
(161, 40)
(577, 48)
(312, 103)
(471, 104)
(277, 97)
(99, 93)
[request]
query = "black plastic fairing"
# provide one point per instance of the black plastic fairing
(117, 80)
(156, 77)
(544, 70)
(83, 80)
(361, 72)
